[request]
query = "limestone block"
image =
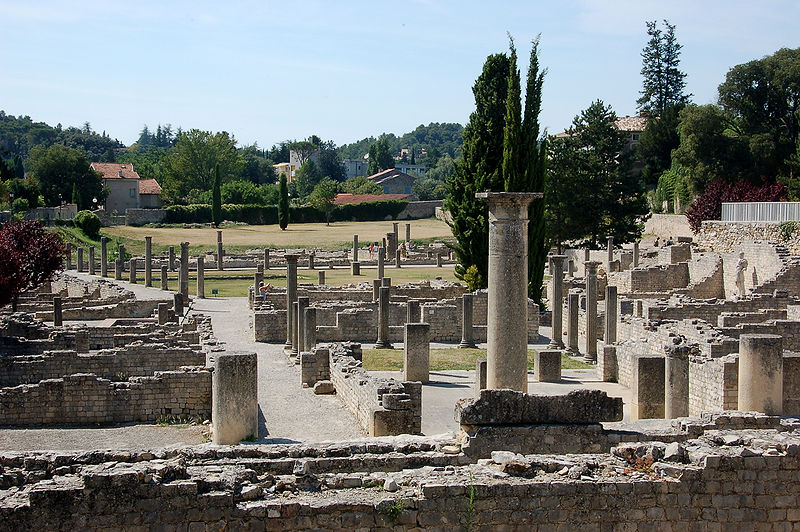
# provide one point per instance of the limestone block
(648, 388)
(234, 401)
(416, 354)
(547, 366)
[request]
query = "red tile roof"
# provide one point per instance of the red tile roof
(346, 199)
(388, 174)
(149, 186)
(112, 170)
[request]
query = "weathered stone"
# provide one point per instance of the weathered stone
(547, 365)
(416, 351)
(761, 373)
(235, 398)
(324, 388)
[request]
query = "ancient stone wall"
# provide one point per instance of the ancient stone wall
(713, 384)
(144, 216)
(88, 399)
(726, 237)
(663, 278)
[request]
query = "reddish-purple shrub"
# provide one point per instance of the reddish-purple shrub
(708, 205)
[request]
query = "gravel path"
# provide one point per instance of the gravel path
(130, 437)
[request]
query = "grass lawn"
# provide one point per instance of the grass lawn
(448, 358)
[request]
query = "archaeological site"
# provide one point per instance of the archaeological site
(659, 391)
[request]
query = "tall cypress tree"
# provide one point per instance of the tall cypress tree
(663, 83)
(535, 154)
(479, 170)
(283, 203)
(513, 150)
(216, 199)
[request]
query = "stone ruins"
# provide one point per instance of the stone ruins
(687, 418)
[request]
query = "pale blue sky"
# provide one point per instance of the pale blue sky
(344, 70)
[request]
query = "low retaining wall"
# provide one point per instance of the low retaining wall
(726, 237)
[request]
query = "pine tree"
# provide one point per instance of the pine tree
(283, 203)
(76, 196)
(663, 82)
(216, 199)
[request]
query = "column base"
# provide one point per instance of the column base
(383, 344)
(555, 345)
(590, 358)
(572, 351)
(467, 345)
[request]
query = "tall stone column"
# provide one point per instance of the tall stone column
(416, 352)
(467, 339)
(91, 260)
(635, 254)
(408, 233)
(557, 300)
(220, 252)
(572, 321)
(172, 258)
(291, 294)
(201, 277)
(591, 311)
(610, 331)
(266, 258)
(397, 257)
(610, 247)
(69, 255)
(310, 328)
(302, 305)
(355, 248)
(104, 256)
(376, 289)
(311, 261)
(761, 373)
(185, 267)
(412, 311)
(80, 259)
(381, 259)
(58, 319)
(234, 398)
(164, 277)
(383, 320)
(391, 244)
(132, 271)
(396, 232)
(321, 277)
(295, 351)
(148, 261)
(507, 306)
(121, 256)
(118, 269)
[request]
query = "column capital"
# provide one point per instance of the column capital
(291, 257)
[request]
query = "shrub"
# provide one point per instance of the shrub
(89, 223)
(708, 205)
(20, 205)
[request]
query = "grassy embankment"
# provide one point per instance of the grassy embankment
(448, 359)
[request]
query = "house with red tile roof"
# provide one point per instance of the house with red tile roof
(126, 190)
(393, 181)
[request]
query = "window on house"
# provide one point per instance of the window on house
(132, 192)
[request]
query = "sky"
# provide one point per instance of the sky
(344, 70)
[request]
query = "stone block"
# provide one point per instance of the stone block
(234, 402)
(648, 401)
(385, 422)
(324, 388)
(509, 407)
(547, 366)
(416, 352)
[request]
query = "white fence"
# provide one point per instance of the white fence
(761, 211)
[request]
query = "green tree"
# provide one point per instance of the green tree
(513, 166)
(592, 192)
(360, 185)
(305, 179)
(323, 196)
(216, 198)
(663, 82)
(303, 149)
(283, 203)
(425, 189)
(191, 162)
(657, 142)
(59, 170)
(479, 170)
(380, 158)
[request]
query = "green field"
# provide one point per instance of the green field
(448, 359)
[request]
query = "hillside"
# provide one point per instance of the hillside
(436, 138)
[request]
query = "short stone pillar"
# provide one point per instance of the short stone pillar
(91, 260)
(355, 248)
(635, 254)
(408, 233)
(387, 282)
(397, 257)
(480, 376)
(201, 277)
(310, 261)
(416, 352)
(591, 311)
(220, 252)
(507, 305)
(761, 373)
(610, 331)
(376, 290)
(294, 351)
(182, 278)
(570, 268)
(258, 278)
(118, 269)
(412, 311)
(547, 365)
(467, 337)
(148, 261)
(381, 260)
(177, 303)
(185, 268)
(391, 244)
(291, 294)
(557, 301)
(438, 259)
(610, 248)
(310, 328)
(676, 383)
(395, 231)
(234, 398)
(321, 277)
(607, 368)
(383, 319)
(266, 258)
(163, 312)
(69, 256)
(647, 401)
(80, 259)
(164, 277)
(58, 319)
(132, 271)
(302, 305)
(104, 256)
(172, 258)
(356, 268)
(586, 255)
(121, 254)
